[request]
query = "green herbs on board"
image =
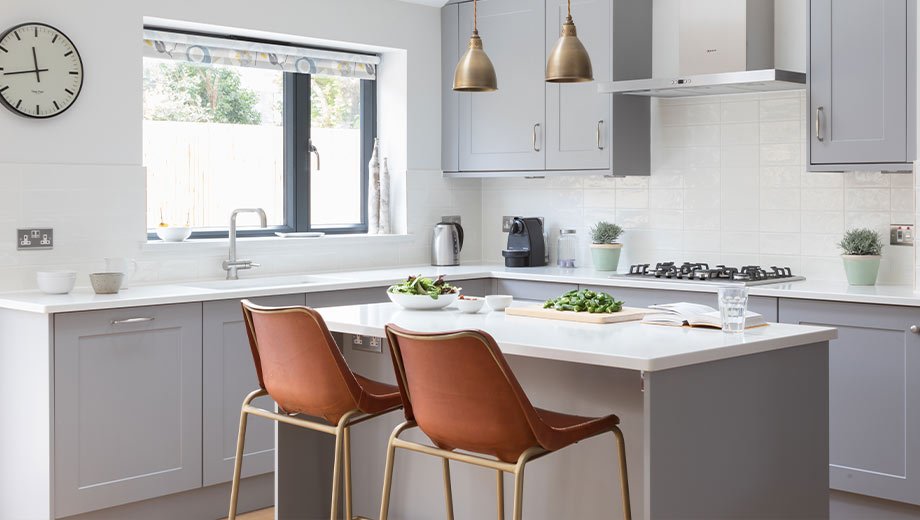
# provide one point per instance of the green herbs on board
(584, 301)
(419, 286)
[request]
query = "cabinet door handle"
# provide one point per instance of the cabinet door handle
(915, 329)
(818, 113)
(126, 321)
(535, 148)
(600, 145)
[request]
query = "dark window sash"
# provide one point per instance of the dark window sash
(297, 164)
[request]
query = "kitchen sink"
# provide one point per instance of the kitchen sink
(275, 281)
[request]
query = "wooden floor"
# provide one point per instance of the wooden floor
(262, 514)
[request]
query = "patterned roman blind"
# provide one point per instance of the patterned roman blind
(206, 50)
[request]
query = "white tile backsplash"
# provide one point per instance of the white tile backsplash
(729, 185)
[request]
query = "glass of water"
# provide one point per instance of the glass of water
(732, 307)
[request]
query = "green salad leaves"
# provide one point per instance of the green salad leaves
(584, 301)
(418, 285)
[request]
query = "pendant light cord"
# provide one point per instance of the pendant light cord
(475, 17)
(569, 2)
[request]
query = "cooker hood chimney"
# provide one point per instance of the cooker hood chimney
(707, 47)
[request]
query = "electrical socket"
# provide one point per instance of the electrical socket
(366, 344)
(453, 219)
(506, 223)
(902, 235)
(30, 239)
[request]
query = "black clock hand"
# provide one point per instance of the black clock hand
(24, 72)
(38, 76)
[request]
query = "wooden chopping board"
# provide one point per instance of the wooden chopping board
(537, 311)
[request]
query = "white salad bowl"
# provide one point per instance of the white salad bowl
(422, 301)
(499, 302)
(470, 305)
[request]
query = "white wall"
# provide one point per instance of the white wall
(82, 172)
(728, 185)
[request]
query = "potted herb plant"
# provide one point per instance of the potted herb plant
(605, 251)
(862, 252)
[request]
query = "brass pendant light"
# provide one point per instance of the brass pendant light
(475, 72)
(569, 61)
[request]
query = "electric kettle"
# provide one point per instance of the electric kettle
(446, 243)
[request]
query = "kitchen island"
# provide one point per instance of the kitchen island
(716, 425)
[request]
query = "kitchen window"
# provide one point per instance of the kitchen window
(232, 123)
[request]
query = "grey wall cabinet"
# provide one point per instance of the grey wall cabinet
(578, 117)
(450, 100)
(127, 400)
(506, 129)
(229, 375)
(874, 395)
(862, 84)
(529, 126)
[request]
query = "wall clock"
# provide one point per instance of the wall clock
(41, 72)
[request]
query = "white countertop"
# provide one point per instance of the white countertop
(631, 345)
(82, 298)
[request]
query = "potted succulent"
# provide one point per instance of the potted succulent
(862, 252)
(605, 251)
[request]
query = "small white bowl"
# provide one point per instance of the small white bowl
(499, 302)
(470, 305)
(174, 234)
(422, 301)
(56, 282)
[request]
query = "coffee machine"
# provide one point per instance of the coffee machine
(526, 247)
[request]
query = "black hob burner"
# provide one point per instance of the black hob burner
(699, 271)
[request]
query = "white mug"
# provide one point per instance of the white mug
(127, 266)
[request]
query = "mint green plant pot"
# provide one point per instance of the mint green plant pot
(606, 256)
(861, 270)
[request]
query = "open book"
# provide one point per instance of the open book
(685, 314)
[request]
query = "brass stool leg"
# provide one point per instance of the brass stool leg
(448, 495)
(347, 454)
(387, 480)
(337, 472)
(519, 494)
(500, 485)
(624, 482)
(238, 463)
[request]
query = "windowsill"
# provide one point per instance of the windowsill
(159, 246)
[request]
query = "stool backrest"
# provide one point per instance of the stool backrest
(298, 362)
(459, 389)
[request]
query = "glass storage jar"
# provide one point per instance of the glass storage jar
(566, 248)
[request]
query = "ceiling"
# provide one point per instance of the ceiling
(433, 3)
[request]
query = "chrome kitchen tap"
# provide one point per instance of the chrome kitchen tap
(232, 265)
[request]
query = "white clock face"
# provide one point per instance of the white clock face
(40, 70)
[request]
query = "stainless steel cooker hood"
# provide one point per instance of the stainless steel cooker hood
(714, 47)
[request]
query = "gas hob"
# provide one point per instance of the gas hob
(702, 272)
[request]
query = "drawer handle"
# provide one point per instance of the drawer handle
(600, 145)
(818, 113)
(915, 329)
(126, 321)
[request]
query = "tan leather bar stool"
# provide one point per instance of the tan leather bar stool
(302, 369)
(458, 389)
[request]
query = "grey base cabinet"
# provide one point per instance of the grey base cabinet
(228, 376)
(127, 405)
(874, 395)
(862, 63)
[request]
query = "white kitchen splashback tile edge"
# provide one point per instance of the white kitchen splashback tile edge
(728, 185)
